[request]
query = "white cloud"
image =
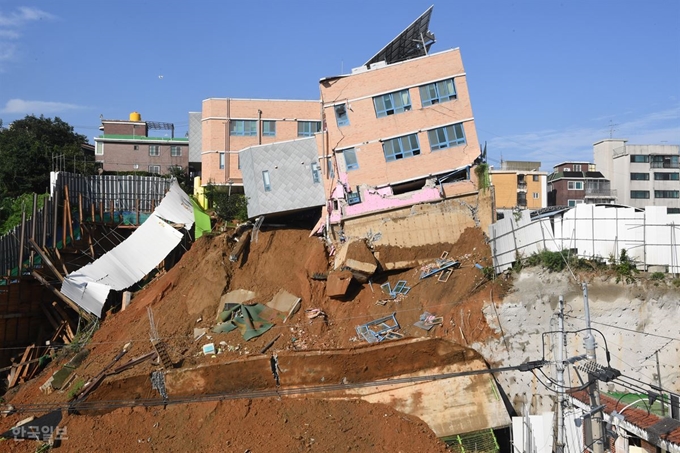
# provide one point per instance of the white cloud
(11, 25)
(21, 106)
(553, 146)
(21, 16)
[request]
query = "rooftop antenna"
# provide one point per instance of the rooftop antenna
(611, 128)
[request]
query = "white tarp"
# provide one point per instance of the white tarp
(133, 258)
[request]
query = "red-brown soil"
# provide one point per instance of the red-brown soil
(188, 296)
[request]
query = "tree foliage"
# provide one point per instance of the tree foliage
(227, 206)
(27, 149)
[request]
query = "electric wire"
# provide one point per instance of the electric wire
(252, 394)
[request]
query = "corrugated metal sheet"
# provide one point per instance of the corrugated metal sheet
(133, 258)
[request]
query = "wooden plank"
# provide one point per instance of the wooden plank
(67, 206)
(13, 382)
(61, 296)
(46, 259)
(49, 316)
(71, 325)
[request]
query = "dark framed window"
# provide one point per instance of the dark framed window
(639, 194)
(666, 176)
(639, 176)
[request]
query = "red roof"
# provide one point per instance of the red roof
(666, 429)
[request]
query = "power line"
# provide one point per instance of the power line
(268, 393)
(631, 330)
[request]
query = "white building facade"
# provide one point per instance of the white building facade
(642, 175)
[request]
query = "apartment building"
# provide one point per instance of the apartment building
(572, 183)
(230, 125)
(401, 124)
(126, 145)
(519, 184)
(642, 175)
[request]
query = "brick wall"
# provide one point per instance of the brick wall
(216, 114)
(366, 130)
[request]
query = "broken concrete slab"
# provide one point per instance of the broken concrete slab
(358, 258)
(283, 301)
(338, 283)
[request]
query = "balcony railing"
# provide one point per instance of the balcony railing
(600, 192)
(521, 186)
(664, 164)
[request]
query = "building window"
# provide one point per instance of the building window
(175, 151)
(351, 162)
(316, 173)
(577, 167)
(238, 160)
(534, 178)
(269, 128)
(665, 162)
(667, 194)
(391, 103)
(330, 169)
(155, 169)
(401, 147)
(221, 161)
(435, 93)
(673, 210)
(666, 176)
(639, 158)
(536, 196)
(639, 194)
(575, 185)
(265, 179)
(99, 149)
(135, 147)
(639, 176)
(522, 199)
(243, 127)
(446, 137)
(154, 150)
(175, 168)
(341, 115)
(308, 128)
(572, 203)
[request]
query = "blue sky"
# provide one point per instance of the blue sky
(546, 78)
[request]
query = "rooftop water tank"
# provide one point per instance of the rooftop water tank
(135, 116)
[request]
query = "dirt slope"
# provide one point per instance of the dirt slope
(188, 297)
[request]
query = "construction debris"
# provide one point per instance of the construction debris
(399, 288)
(380, 329)
(357, 258)
(428, 321)
(438, 266)
(251, 320)
(338, 283)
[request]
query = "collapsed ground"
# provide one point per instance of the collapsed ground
(188, 297)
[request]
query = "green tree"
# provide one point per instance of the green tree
(27, 149)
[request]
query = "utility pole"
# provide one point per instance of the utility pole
(594, 387)
(658, 377)
(561, 343)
